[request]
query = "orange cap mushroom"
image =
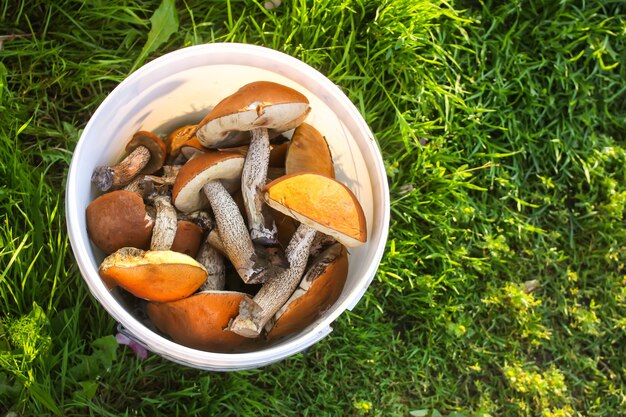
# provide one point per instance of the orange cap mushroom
(153, 275)
(200, 321)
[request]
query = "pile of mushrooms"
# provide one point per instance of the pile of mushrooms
(230, 234)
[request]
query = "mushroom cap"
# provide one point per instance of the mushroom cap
(157, 148)
(188, 238)
(187, 193)
(178, 137)
(192, 148)
(119, 219)
(200, 321)
(278, 154)
(320, 287)
(320, 202)
(154, 275)
(309, 152)
(257, 104)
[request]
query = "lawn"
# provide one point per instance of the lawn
(502, 291)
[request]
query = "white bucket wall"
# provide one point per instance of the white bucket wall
(179, 88)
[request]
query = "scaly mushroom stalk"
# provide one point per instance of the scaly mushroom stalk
(319, 288)
(254, 314)
(213, 261)
(146, 156)
(235, 238)
(253, 179)
(165, 224)
(320, 204)
(110, 177)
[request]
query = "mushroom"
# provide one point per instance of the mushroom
(309, 152)
(165, 224)
(278, 154)
(187, 238)
(213, 238)
(198, 217)
(146, 155)
(257, 104)
(119, 219)
(192, 148)
(319, 288)
(255, 107)
(177, 138)
(320, 204)
(199, 180)
(148, 185)
(153, 275)
(200, 321)
(213, 261)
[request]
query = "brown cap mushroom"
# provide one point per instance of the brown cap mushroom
(257, 104)
(154, 275)
(119, 219)
(192, 148)
(255, 107)
(199, 180)
(309, 152)
(225, 167)
(200, 321)
(319, 288)
(320, 204)
(188, 238)
(146, 155)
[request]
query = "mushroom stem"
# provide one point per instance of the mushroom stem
(213, 238)
(165, 224)
(277, 289)
(235, 238)
(253, 179)
(213, 261)
(199, 217)
(107, 177)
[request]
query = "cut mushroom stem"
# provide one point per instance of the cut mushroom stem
(255, 313)
(165, 224)
(213, 261)
(116, 176)
(253, 179)
(235, 238)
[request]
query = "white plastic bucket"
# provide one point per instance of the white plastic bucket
(179, 88)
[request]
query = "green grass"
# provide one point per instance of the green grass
(503, 130)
